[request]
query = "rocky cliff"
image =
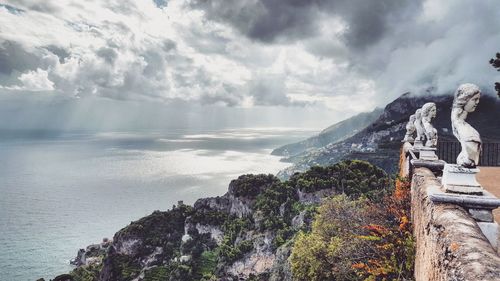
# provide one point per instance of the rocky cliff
(246, 234)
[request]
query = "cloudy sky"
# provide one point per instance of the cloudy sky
(123, 63)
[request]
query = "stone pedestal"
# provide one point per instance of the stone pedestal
(418, 144)
(457, 179)
(436, 166)
(491, 231)
(427, 153)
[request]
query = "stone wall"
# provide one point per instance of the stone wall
(449, 242)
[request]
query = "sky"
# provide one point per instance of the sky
(159, 64)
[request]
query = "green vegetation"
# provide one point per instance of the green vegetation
(210, 217)
(351, 177)
(207, 264)
(160, 229)
(333, 247)
(495, 62)
(328, 251)
(228, 250)
(357, 239)
(159, 273)
(123, 267)
(250, 186)
(275, 204)
(86, 273)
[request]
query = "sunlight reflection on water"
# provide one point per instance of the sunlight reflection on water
(61, 194)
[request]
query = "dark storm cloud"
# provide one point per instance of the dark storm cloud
(169, 45)
(226, 94)
(108, 54)
(270, 90)
(261, 52)
(60, 52)
(13, 57)
(272, 20)
(161, 3)
(263, 20)
(46, 6)
(368, 21)
(12, 10)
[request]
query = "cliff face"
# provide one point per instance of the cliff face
(246, 234)
(379, 142)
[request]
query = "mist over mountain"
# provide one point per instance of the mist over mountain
(380, 141)
(337, 132)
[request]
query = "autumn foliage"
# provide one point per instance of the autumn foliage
(358, 239)
(393, 258)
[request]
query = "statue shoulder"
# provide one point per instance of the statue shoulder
(468, 133)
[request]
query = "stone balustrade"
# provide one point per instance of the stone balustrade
(456, 237)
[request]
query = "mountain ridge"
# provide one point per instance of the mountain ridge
(336, 132)
(379, 142)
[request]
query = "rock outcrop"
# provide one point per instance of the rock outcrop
(245, 234)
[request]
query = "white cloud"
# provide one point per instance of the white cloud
(138, 50)
(33, 81)
(36, 81)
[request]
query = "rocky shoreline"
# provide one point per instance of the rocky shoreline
(246, 234)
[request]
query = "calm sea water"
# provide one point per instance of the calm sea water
(59, 193)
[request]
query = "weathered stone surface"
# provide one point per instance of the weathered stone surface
(449, 243)
(491, 231)
(428, 113)
(428, 153)
(281, 270)
(435, 166)
(315, 197)
(420, 129)
(458, 179)
(485, 201)
(410, 129)
(481, 215)
(259, 260)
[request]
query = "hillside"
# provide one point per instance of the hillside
(337, 132)
(246, 234)
(379, 142)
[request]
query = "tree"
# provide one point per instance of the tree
(329, 251)
(495, 62)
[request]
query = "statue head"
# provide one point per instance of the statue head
(412, 118)
(467, 97)
(429, 110)
(418, 114)
(465, 101)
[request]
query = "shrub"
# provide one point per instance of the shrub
(328, 251)
(278, 196)
(250, 186)
(352, 177)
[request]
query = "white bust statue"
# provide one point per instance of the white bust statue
(419, 126)
(428, 113)
(410, 129)
(465, 101)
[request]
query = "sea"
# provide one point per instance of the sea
(60, 192)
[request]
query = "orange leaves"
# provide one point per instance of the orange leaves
(359, 266)
(404, 223)
(392, 249)
(376, 229)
